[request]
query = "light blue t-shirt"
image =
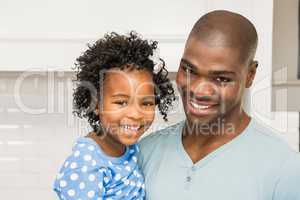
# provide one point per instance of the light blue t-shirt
(89, 174)
(256, 165)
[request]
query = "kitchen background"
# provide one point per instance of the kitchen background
(40, 40)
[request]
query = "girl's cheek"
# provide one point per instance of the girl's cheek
(151, 115)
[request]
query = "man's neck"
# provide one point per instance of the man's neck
(199, 143)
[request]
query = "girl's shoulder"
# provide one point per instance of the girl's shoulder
(82, 174)
(87, 151)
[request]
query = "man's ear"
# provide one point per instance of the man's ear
(251, 73)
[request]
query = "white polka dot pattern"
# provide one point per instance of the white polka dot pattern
(88, 174)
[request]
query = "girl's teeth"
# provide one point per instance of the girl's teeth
(133, 128)
(197, 106)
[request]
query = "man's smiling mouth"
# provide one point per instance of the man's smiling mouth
(201, 106)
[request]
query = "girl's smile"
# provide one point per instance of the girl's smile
(128, 104)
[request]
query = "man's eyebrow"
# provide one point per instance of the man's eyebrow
(212, 72)
(188, 64)
(221, 72)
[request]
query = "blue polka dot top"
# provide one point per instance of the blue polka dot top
(89, 174)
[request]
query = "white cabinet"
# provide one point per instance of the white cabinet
(45, 34)
(51, 34)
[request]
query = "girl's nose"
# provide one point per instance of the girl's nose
(135, 112)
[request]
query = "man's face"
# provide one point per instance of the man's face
(211, 81)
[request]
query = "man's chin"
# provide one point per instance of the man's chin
(207, 119)
(201, 120)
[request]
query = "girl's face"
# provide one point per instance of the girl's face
(127, 108)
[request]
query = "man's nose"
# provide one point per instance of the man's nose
(203, 88)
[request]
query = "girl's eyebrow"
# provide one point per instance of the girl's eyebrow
(149, 97)
(120, 95)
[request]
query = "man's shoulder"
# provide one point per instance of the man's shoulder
(161, 135)
(278, 160)
(269, 136)
(156, 143)
(269, 143)
(288, 181)
(158, 140)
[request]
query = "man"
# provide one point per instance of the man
(218, 152)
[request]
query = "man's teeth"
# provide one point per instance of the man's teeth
(197, 106)
(132, 128)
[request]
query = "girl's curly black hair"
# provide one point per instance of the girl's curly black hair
(117, 51)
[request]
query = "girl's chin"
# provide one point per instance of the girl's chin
(128, 141)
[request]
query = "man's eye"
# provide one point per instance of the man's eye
(223, 79)
(187, 70)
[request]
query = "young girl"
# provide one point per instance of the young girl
(117, 91)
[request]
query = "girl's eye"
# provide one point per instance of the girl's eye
(121, 103)
(150, 103)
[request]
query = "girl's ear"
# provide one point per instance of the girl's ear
(251, 73)
(96, 111)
